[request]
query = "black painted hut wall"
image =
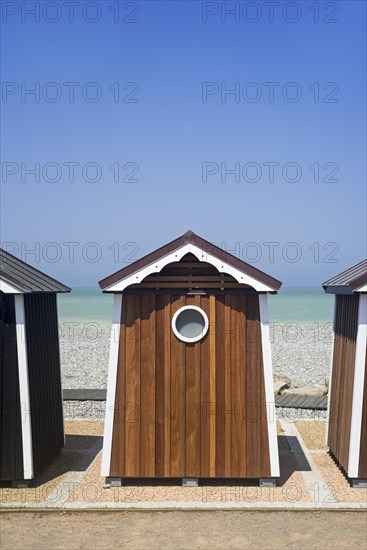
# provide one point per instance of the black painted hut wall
(42, 348)
(44, 377)
(11, 450)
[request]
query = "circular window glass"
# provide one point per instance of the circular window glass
(190, 324)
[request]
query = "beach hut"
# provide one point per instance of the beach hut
(190, 387)
(346, 434)
(31, 413)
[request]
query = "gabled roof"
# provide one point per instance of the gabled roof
(17, 276)
(204, 251)
(351, 280)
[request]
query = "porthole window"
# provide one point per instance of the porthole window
(190, 324)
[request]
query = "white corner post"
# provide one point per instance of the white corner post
(26, 419)
(111, 384)
(358, 388)
(330, 377)
(269, 385)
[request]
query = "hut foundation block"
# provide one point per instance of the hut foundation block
(267, 482)
(190, 482)
(19, 484)
(113, 482)
(358, 483)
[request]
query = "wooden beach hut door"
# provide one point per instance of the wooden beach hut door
(190, 409)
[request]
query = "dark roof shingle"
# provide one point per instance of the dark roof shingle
(25, 277)
(351, 279)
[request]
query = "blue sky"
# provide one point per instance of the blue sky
(161, 128)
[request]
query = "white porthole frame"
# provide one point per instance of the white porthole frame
(185, 338)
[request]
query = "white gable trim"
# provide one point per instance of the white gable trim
(8, 288)
(176, 256)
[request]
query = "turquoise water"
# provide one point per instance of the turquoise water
(85, 305)
(299, 305)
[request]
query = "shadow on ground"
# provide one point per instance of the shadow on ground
(76, 456)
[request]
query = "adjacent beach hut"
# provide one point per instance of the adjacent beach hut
(347, 408)
(31, 413)
(190, 386)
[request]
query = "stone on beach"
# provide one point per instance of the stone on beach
(312, 391)
(281, 383)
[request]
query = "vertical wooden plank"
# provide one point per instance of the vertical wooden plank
(342, 455)
(167, 386)
(253, 391)
(182, 401)
(335, 384)
(190, 404)
(197, 428)
(237, 418)
(347, 385)
(176, 303)
(212, 385)
(228, 412)
(242, 387)
(159, 385)
(339, 381)
(132, 428)
(333, 412)
(220, 336)
(147, 372)
(262, 423)
(205, 406)
(343, 390)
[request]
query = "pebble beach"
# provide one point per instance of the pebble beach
(300, 351)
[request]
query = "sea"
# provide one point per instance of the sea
(290, 305)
